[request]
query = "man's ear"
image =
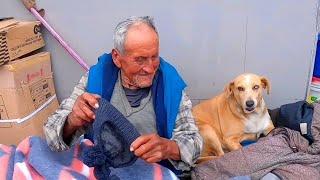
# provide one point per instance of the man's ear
(228, 88)
(266, 84)
(116, 57)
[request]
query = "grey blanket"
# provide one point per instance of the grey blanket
(283, 152)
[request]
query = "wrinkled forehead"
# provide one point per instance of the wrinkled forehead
(247, 80)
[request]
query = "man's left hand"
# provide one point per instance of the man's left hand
(153, 148)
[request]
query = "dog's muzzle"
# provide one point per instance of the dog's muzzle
(250, 105)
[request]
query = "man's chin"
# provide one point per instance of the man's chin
(144, 85)
(143, 81)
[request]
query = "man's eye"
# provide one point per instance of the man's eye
(240, 88)
(139, 60)
(155, 57)
(255, 87)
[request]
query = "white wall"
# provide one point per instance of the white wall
(209, 42)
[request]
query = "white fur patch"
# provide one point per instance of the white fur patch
(256, 123)
(247, 79)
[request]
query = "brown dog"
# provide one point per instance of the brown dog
(237, 114)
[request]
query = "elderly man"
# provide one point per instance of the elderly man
(147, 90)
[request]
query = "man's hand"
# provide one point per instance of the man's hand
(153, 148)
(81, 113)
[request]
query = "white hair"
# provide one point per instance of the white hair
(121, 30)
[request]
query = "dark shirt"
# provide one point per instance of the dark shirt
(135, 96)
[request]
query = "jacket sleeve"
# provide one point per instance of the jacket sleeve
(53, 126)
(186, 135)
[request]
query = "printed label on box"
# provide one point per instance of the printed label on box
(40, 92)
(36, 74)
(17, 49)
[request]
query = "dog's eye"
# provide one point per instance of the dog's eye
(240, 88)
(255, 87)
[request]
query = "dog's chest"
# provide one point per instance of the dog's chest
(256, 123)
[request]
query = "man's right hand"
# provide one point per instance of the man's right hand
(81, 113)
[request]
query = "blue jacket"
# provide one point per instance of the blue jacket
(166, 90)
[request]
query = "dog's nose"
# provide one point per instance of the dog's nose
(249, 103)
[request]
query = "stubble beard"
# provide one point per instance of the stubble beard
(138, 84)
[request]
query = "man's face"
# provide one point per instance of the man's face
(141, 58)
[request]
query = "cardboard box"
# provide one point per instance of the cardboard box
(27, 97)
(18, 38)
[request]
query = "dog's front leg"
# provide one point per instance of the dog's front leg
(205, 158)
(269, 128)
(249, 136)
(232, 143)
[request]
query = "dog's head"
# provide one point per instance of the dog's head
(246, 89)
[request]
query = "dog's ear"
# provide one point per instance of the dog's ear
(266, 84)
(228, 88)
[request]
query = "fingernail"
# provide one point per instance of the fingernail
(94, 116)
(96, 105)
(131, 148)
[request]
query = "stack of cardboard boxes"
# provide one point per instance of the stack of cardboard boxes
(27, 92)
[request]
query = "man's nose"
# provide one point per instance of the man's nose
(148, 66)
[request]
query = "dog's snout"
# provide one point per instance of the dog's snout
(249, 103)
